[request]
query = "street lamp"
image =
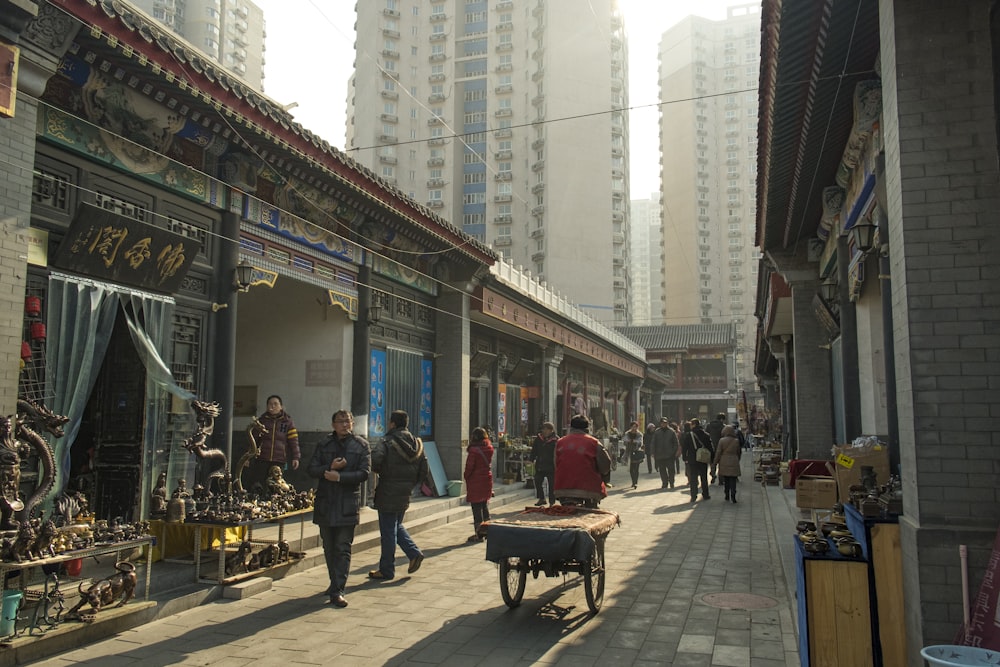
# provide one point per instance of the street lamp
(863, 235)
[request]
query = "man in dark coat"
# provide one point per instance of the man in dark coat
(341, 464)
(694, 436)
(665, 452)
(401, 464)
(543, 454)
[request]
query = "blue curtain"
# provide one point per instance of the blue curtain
(83, 314)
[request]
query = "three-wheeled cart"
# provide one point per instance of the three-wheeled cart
(553, 541)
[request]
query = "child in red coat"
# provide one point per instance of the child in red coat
(479, 479)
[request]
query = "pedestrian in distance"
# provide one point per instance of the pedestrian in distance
(582, 462)
(279, 445)
(634, 451)
(647, 444)
(543, 455)
(714, 429)
(664, 451)
(727, 456)
(341, 465)
(401, 465)
(479, 480)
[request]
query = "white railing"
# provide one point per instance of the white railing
(524, 283)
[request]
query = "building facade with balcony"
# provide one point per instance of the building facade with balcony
(708, 128)
(481, 93)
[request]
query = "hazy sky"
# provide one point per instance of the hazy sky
(310, 57)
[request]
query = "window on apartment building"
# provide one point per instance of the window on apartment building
(504, 189)
(504, 209)
(504, 80)
(475, 17)
(389, 45)
(434, 195)
(505, 103)
(389, 84)
(413, 135)
(505, 124)
(503, 231)
(388, 172)
(388, 129)
(416, 10)
(506, 38)
(506, 17)
(474, 198)
(476, 138)
(503, 167)
(475, 117)
(392, 4)
(389, 65)
(505, 145)
(539, 268)
(472, 158)
(505, 59)
(540, 245)
(474, 177)
(475, 95)
(474, 218)
(437, 10)
(539, 200)
(437, 132)
(437, 49)
(434, 173)
(389, 108)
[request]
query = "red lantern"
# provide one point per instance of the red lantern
(25, 350)
(37, 330)
(32, 306)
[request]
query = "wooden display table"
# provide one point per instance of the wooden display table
(224, 530)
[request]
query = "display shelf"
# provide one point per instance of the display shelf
(224, 529)
(515, 463)
(833, 609)
(22, 568)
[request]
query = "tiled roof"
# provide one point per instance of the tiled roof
(680, 337)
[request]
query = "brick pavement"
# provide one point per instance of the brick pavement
(667, 555)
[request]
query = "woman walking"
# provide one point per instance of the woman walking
(479, 479)
(727, 456)
(634, 451)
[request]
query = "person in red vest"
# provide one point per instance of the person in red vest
(581, 465)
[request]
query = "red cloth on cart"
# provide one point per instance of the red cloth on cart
(797, 467)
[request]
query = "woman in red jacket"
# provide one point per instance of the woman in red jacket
(479, 479)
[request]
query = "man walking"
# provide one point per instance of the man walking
(543, 454)
(341, 464)
(694, 438)
(401, 464)
(665, 453)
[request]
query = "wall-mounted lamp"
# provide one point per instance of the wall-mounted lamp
(243, 276)
(375, 312)
(828, 290)
(863, 235)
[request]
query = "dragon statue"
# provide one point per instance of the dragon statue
(252, 452)
(19, 438)
(32, 418)
(205, 419)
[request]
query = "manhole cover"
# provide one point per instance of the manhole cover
(738, 601)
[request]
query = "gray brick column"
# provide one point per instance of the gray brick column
(944, 240)
(811, 362)
(451, 380)
(552, 357)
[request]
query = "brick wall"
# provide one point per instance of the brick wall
(17, 147)
(944, 218)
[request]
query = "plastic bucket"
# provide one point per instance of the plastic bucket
(8, 615)
(454, 487)
(949, 655)
(74, 567)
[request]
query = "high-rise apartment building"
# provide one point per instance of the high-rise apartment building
(708, 146)
(508, 119)
(645, 262)
(231, 32)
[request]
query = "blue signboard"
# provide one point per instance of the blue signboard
(426, 392)
(376, 402)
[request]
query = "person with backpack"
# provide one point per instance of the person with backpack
(696, 447)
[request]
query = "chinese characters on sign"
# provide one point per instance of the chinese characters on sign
(105, 245)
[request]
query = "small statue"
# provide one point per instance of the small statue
(237, 561)
(105, 591)
(276, 481)
(177, 507)
(158, 497)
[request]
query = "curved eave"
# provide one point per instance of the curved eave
(812, 56)
(137, 37)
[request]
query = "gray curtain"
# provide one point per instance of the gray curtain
(149, 323)
(83, 314)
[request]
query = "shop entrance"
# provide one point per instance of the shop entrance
(106, 457)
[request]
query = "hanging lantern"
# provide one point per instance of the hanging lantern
(25, 350)
(37, 330)
(32, 306)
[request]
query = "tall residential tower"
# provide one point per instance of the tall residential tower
(507, 118)
(708, 146)
(231, 32)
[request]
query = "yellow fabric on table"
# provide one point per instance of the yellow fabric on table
(178, 538)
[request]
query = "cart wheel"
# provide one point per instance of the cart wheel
(512, 579)
(593, 577)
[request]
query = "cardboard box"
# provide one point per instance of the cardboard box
(815, 492)
(786, 479)
(848, 461)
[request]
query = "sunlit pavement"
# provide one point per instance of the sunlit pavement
(671, 565)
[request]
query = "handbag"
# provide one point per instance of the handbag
(638, 455)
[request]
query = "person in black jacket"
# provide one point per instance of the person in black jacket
(694, 436)
(715, 432)
(341, 464)
(401, 464)
(543, 454)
